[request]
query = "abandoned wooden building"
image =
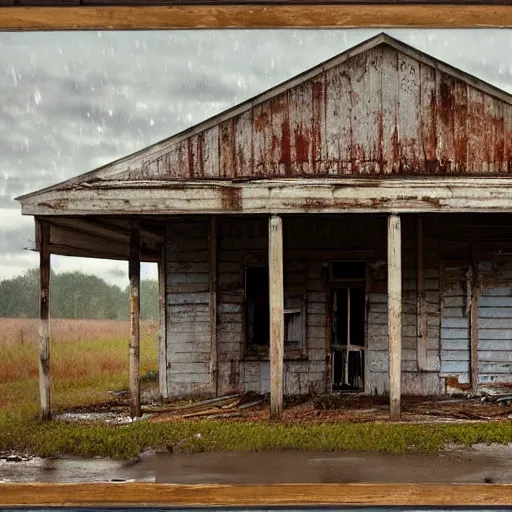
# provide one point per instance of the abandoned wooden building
(349, 229)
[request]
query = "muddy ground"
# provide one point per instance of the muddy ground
(354, 408)
(481, 464)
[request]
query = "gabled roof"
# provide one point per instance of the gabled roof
(110, 170)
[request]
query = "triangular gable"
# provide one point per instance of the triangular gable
(381, 107)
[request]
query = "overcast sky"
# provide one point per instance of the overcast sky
(73, 101)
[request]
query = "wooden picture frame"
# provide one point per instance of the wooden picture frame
(260, 496)
(33, 15)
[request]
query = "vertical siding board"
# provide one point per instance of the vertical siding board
(409, 114)
(318, 108)
(280, 155)
(262, 140)
(338, 119)
(373, 120)
(489, 134)
(244, 145)
(445, 121)
(227, 149)
(499, 123)
(508, 137)
(461, 127)
(210, 153)
(390, 127)
(428, 119)
(300, 128)
(476, 131)
(359, 150)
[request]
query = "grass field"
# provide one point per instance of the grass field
(90, 358)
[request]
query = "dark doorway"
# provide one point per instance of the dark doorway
(348, 338)
(257, 308)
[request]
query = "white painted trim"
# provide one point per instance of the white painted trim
(344, 195)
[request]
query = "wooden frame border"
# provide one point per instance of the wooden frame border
(143, 494)
(218, 15)
(258, 14)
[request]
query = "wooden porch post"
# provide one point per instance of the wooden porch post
(276, 302)
(44, 320)
(214, 379)
(421, 311)
(162, 331)
(394, 313)
(134, 275)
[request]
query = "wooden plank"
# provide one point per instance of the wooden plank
(213, 273)
(421, 316)
(44, 319)
(394, 313)
(327, 195)
(473, 316)
(134, 276)
(276, 302)
(257, 16)
(162, 331)
(403, 494)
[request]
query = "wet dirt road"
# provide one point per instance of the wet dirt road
(477, 465)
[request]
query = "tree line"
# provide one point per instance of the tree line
(75, 295)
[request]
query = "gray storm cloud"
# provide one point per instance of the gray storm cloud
(72, 101)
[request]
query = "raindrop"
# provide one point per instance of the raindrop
(151, 123)
(37, 97)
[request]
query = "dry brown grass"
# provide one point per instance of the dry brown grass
(88, 358)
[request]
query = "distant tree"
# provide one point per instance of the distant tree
(74, 295)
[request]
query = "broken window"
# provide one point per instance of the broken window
(257, 313)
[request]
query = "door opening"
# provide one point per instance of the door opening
(348, 333)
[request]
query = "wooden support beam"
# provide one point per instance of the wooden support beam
(421, 313)
(162, 329)
(276, 302)
(44, 320)
(134, 275)
(394, 314)
(473, 321)
(212, 240)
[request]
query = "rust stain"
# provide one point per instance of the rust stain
(380, 137)
(447, 99)
(316, 136)
(231, 198)
(262, 120)
(301, 147)
(190, 158)
(200, 150)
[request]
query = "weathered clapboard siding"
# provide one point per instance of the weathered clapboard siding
(495, 323)
(188, 310)
(413, 381)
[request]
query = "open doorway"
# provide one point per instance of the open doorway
(348, 325)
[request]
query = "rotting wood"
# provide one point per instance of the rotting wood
(162, 331)
(473, 321)
(207, 403)
(322, 195)
(134, 276)
(256, 16)
(421, 317)
(394, 314)
(44, 320)
(213, 279)
(403, 494)
(276, 302)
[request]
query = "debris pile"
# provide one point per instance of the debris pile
(229, 406)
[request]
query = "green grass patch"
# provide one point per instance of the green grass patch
(127, 441)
